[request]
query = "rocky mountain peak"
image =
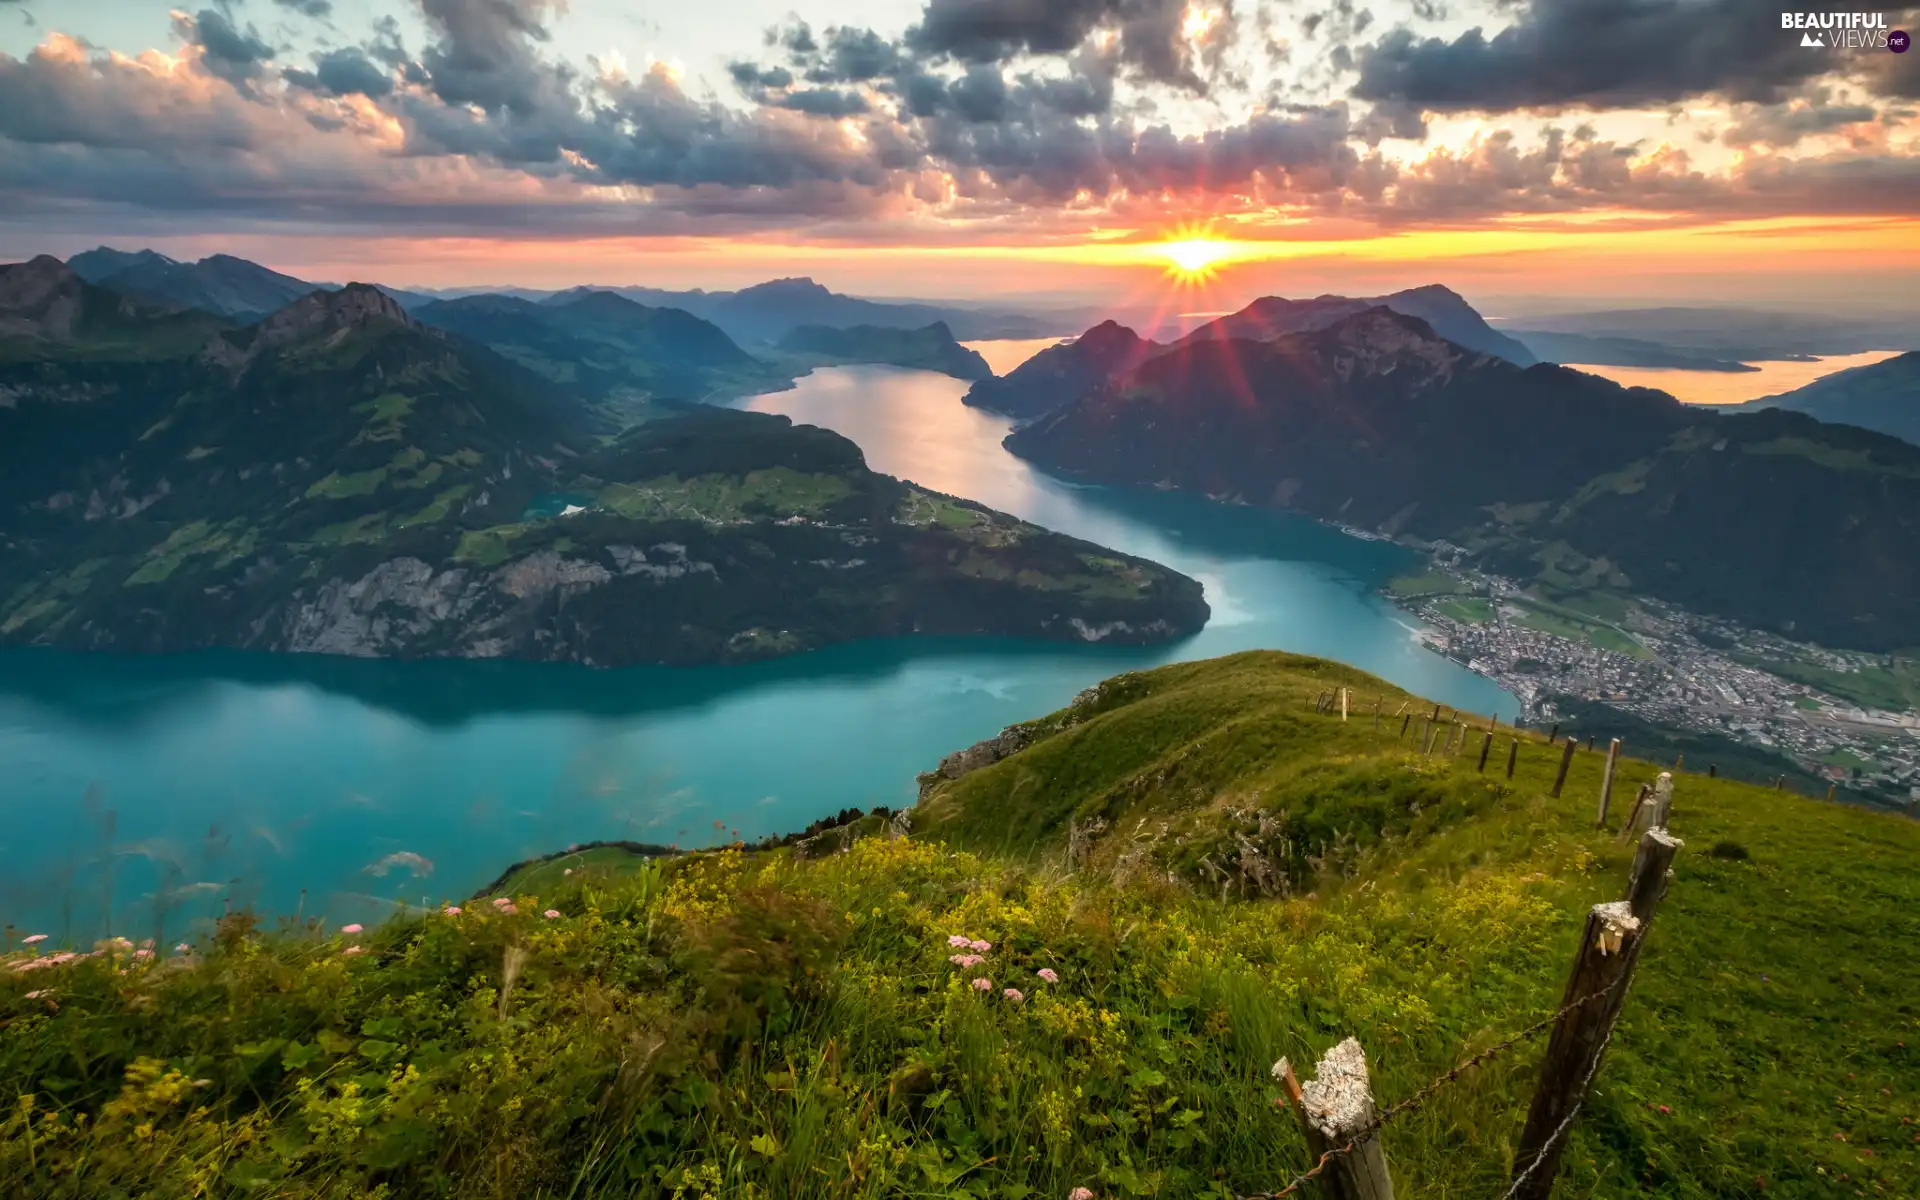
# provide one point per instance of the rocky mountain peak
(319, 314)
(40, 298)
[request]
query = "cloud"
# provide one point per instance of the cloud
(343, 72)
(308, 8)
(227, 51)
(1153, 36)
(1565, 54)
(1783, 125)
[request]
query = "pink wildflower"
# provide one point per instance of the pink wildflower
(508, 909)
(1015, 995)
(501, 901)
(183, 948)
(351, 950)
(983, 985)
(143, 952)
(35, 940)
(1080, 1194)
(982, 947)
(453, 910)
(1048, 974)
(40, 993)
(351, 928)
(552, 914)
(960, 941)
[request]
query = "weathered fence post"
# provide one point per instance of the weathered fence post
(1343, 704)
(1405, 720)
(1679, 760)
(1641, 803)
(1652, 867)
(1432, 731)
(1566, 760)
(1336, 1109)
(1485, 747)
(1513, 756)
(1830, 788)
(1606, 782)
(1662, 802)
(1376, 713)
(1713, 770)
(1554, 735)
(1589, 741)
(1598, 984)
(1436, 713)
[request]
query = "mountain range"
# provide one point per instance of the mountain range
(930, 349)
(342, 478)
(1059, 374)
(1773, 518)
(1883, 396)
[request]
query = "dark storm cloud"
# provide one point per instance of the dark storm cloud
(343, 72)
(1597, 53)
(1784, 125)
(1151, 37)
(824, 102)
(231, 54)
(852, 56)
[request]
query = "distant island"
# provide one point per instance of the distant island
(339, 478)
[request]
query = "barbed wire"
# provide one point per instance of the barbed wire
(1410, 1103)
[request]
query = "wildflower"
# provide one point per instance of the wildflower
(183, 948)
(36, 939)
(40, 993)
(508, 909)
(1080, 1194)
(983, 985)
(568, 871)
(351, 950)
(982, 947)
(351, 928)
(960, 940)
(1665, 1109)
(143, 952)
(1014, 994)
(502, 901)
(453, 910)
(552, 914)
(1048, 974)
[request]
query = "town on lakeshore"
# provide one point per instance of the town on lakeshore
(1842, 715)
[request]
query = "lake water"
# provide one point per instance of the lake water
(1736, 387)
(303, 783)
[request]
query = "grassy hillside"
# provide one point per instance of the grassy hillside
(789, 1023)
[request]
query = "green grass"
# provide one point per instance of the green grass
(749, 1025)
(1562, 621)
(1427, 583)
(340, 487)
(1475, 609)
(778, 492)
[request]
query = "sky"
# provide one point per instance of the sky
(1536, 154)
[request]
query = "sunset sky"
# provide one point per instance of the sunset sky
(1538, 153)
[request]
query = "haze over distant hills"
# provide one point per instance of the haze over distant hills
(1772, 518)
(1883, 396)
(1746, 335)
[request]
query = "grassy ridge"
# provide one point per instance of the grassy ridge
(755, 1025)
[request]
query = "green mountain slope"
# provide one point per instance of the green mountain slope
(1771, 518)
(931, 348)
(340, 479)
(1883, 396)
(1060, 374)
(724, 1024)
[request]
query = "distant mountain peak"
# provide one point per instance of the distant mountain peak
(318, 314)
(40, 298)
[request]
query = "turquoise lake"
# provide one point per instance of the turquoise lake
(163, 789)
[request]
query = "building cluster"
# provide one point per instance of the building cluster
(1689, 672)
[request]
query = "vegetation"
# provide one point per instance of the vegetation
(1893, 684)
(340, 479)
(1541, 473)
(930, 349)
(761, 1023)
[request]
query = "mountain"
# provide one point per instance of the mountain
(1062, 373)
(220, 284)
(1579, 348)
(1443, 309)
(619, 354)
(1741, 334)
(1771, 519)
(930, 349)
(1883, 396)
(340, 478)
(49, 313)
(1168, 884)
(767, 312)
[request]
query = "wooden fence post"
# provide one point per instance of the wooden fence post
(1830, 788)
(1485, 747)
(1589, 741)
(1343, 704)
(1554, 736)
(1679, 760)
(1566, 760)
(1376, 714)
(1606, 782)
(1513, 756)
(1642, 803)
(1432, 731)
(1436, 713)
(1713, 770)
(1405, 719)
(1662, 802)
(1652, 868)
(1600, 972)
(1335, 1108)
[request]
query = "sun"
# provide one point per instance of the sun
(1195, 256)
